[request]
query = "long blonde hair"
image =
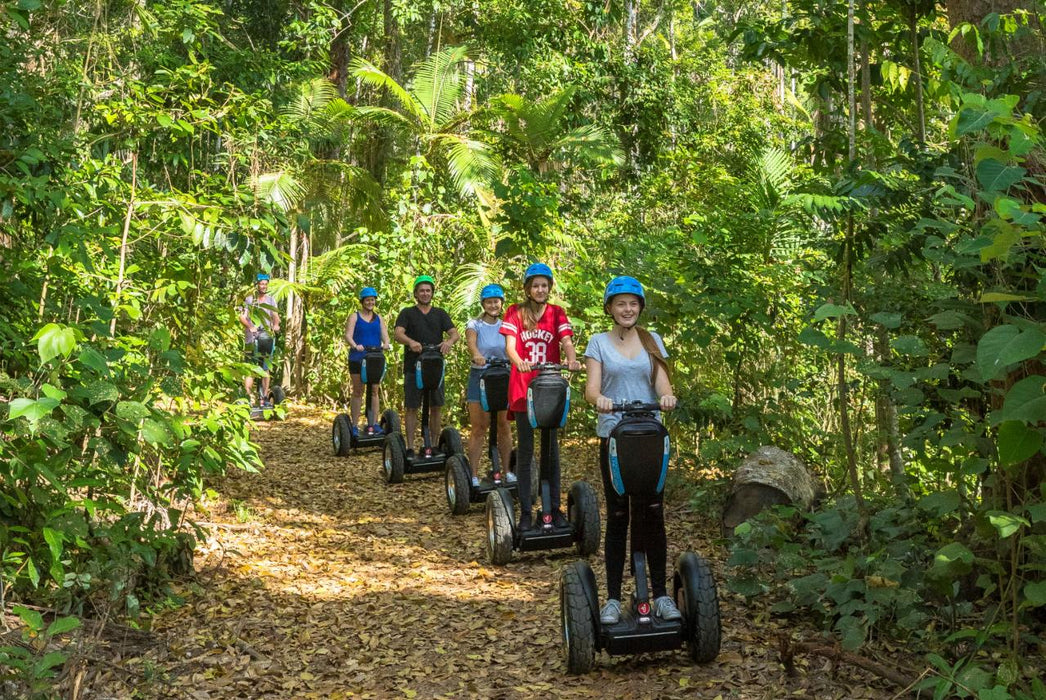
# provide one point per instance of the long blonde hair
(657, 360)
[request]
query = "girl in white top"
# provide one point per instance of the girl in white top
(485, 340)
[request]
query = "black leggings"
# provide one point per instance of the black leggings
(524, 457)
(648, 532)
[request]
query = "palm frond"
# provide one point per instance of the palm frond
(384, 115)
(311, 99)
(338, 268)
(374, 76)
(437, 85)
(282, 188)
(467, 283)
(592, 143)
(469, 161)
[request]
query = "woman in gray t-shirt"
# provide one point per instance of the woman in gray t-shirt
(628, 364)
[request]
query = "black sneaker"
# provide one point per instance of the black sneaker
(526, 521)
(559, 520)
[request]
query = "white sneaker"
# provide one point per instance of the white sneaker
(665, 608)
(475, 482)
(611, 612)
(510, 477)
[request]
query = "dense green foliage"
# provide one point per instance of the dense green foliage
(844, 263)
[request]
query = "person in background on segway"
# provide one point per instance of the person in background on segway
(535, 331)
(418, 325)
(628, 364)
(363, 329)
(259, 318)
(484, 341)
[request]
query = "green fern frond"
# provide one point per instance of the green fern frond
(280, 188)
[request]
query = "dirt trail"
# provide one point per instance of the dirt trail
(331, 584)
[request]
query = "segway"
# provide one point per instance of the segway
(343, 438)
(264, 348)
(548, 401)
(637, 444)
(428, 373)
(493, 398)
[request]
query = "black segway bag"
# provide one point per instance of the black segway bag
(493, 389)
(428, 370)
(638, 450)
(264, 343)
(372, 368)
(548, 400)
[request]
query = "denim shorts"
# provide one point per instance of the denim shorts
(472, 393)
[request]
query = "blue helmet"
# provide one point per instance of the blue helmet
(492, 291)
(538, 270)
(624, 285)
(261, 277)
(368, 292)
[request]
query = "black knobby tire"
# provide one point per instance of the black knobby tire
(394, 458)
(341, 435)
(499, 529)
(698, 600)
(458, 483)
(579, 632)
(278, 395)
(450, 442)
(583, 511)
(390, 421)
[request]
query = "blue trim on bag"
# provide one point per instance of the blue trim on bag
(615, 469)
(664, 467)
(530, 408)
(483, 394)
(566, 410)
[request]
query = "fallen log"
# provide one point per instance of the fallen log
(901, 677)
(767, 477)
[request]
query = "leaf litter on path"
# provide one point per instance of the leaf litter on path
(339, 585)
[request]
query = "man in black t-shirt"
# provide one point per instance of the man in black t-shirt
(422, 324)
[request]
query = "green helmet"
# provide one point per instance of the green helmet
(422, 279)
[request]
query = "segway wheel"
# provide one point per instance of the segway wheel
(458, 484)
(341, 435)
(390, 421)
(278, 395)
(583, 511)
(578, 618)
(450, 442)
(698, 600)
(395, 458)
(499, 529)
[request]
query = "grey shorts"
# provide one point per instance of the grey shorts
(412, 394)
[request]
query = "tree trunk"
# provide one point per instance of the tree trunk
(340, 53)
(123, 242)
(913, 29)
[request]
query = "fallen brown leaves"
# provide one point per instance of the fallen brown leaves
(340, 586)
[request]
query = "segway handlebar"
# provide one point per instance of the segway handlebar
(497, 362)
(635, 407)
(431, 346)
(552, 367)
(374, 348)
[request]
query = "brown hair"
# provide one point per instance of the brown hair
(657, 360)
(528, 308)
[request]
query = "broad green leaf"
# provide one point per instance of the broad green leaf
(90, 357)
(31, 409)
(909, 345)
(132, 411)
(1003, 236)
(888, 318)
(53, 392)
(53, 340)
(853, 632)
(63, 625)
(32, 619)
(1037, 512)
(1025, 401)
(155, 432)
(949, 320)
(54, 539)
(101, 391)
(32, 572)
(951, 561)
(972, 119)
(1005, 345)
(996, 176)
(940, 503)
(1017, 442)
(1006, 523)
(814, 337)
(989, 297)
(833, 311)
(1035, 593)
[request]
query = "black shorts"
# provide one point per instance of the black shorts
(356, 367)
(252, 357)
(412, 394)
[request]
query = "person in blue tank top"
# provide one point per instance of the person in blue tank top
(485, 340)
(364, 328)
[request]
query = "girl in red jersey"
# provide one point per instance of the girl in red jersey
(535, 331)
